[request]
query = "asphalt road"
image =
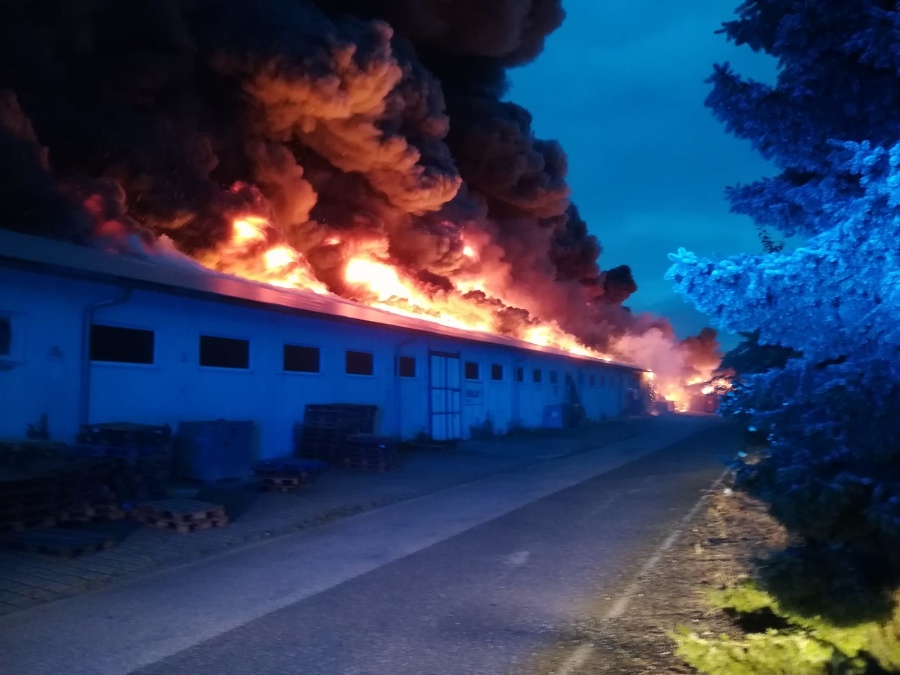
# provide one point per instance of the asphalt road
(479, 579)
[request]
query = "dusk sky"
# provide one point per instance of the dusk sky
(621, 86)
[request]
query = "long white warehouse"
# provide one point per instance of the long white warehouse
(90, 337)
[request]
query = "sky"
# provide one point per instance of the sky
(621, 86)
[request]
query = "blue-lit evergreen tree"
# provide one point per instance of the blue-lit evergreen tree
(831, 126)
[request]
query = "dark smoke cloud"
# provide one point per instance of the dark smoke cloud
(702, 353)
(341, 121)
(30, 200)
(499, 157)
(510, 31)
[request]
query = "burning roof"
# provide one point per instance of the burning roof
(174, 275)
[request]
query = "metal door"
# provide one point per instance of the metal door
(445, 404)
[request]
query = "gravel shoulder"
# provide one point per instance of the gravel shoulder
(713, 549)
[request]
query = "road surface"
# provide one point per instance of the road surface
(477, 579)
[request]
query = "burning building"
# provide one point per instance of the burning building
(94, 337)
(362, 154)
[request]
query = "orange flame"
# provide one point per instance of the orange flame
(248, 229)
(254, 251)
(682, 396)
(248, 253)
(391, 291)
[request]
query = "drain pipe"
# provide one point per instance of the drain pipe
(517, 391)
(398, 382)
(84, 394)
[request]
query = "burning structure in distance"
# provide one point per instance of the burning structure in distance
(363, 149)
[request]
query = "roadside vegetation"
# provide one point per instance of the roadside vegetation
(818, 376)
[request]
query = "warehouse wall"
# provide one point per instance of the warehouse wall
(41, 374)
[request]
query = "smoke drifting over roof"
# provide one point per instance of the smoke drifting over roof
(337, 121)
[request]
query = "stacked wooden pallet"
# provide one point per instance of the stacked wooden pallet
(325, 429)
(93, 512)
(286, 474)
(180, 515)
(81, 481)
(141, 454)
(24, 452)
(36, 489)
(372, 453)
(60, 542)
(27, 503)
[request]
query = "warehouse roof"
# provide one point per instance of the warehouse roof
(68, 259)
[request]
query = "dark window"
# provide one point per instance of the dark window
(5, 336)
(406, 366)
(299, 359)
(552, 377)
(520, 374)
(602, 380)
(536, 375)
(121, 345)
(496, 371)
(593, 380)
(222, 352)
(359, 363)
(471, 370)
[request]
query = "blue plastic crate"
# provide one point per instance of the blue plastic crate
(215, 450)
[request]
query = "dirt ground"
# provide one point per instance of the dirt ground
(714, 549)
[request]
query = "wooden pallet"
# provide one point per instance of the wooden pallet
(296, 481)
(372, 453)
(183, 527)
(368, 465)
(286, 466)
(180, 510)
(58, 542)
(282, 483)
(131, 454)
(26, 522)
(280, 488)
(92, 513)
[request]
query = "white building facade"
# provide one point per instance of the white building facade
(92, 337)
